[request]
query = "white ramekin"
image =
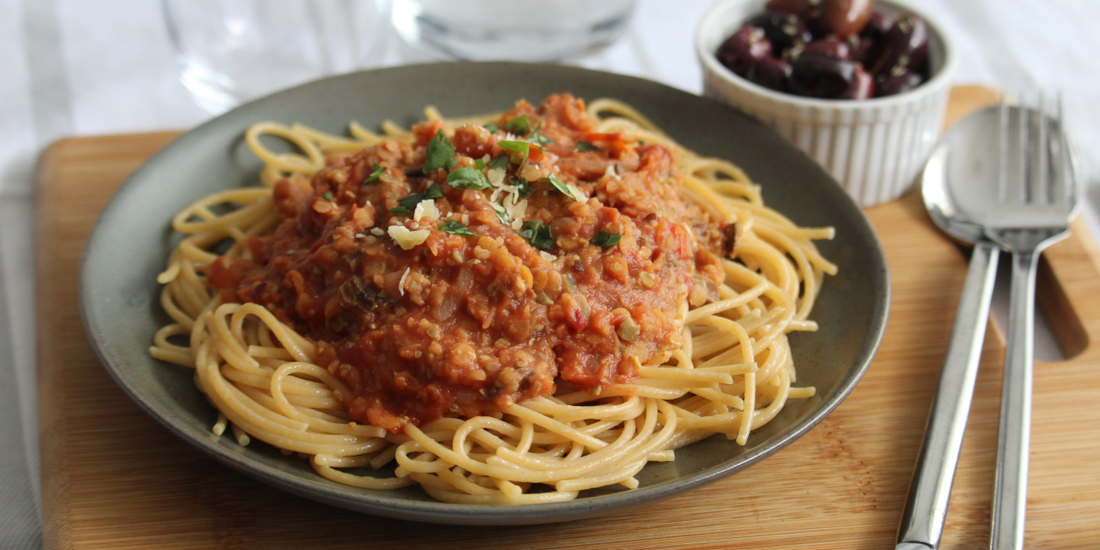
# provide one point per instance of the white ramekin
(875, 148)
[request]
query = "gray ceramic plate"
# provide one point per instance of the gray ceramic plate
(131, 240)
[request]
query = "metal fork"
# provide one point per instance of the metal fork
(1037, 198)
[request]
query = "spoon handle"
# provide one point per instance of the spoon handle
(930, 489)
(1010, 485)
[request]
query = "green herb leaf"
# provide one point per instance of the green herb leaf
(503, 217)
(519, 126)
(560, 186)
(468, 178)
(540, 235)
(434, 192)
(543, 238)
(479, 163)
(455, 228)
(605, 239)
(524, 187)
(491, 127)
(440, 153)
(376, 171)
(500, 161)
(528, 230)
(517, 151)
(585, 147)
(537, 138)
(408, 204)
(327, 196)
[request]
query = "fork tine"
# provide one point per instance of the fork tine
(1031, 152)
(1044, 187)
(1002, 150)
(1063, 185)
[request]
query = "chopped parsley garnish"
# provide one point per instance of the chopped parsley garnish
(491, 127)
(500, 161)
(517, 151)
(455, 228)
(376, 171)
(524, 187)
(528, 230)
(519, 126)
(434, 192)
(605, 239)
(327, 196)
(560, 186)
(537, 138)
(440, 153)
(539, 235)
(586, 147)
(468, 178)
(543, 239)
(408, 204)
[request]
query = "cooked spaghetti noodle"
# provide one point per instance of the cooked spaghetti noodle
(554, 417)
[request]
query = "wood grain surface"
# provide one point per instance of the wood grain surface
(114, 478)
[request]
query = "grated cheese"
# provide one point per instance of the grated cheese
(377, 231)
(517, 212)
(406, 239)
(401, 283)
(496, 176)
(426, 209)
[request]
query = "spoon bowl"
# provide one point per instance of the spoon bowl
(961, 168)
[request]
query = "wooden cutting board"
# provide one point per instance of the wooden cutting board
(114, 478)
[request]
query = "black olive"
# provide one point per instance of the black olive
(747, 46)
(877, 25)
(804, 8)
(816, 75)
(863, 85)
(905, 45)
(830, 47)
(845, 18)
(897, 82)
(869, 44)
(770, 73)
(782, 29)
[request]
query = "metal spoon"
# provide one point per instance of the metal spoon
(965, 163)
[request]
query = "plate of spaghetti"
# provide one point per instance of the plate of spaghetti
(484, 293)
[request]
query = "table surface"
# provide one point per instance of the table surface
(87, 68)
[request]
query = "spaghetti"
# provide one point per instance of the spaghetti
(618, 297)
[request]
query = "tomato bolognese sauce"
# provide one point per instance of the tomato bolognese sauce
(512, 308)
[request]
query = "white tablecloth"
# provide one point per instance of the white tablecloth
(72, 67)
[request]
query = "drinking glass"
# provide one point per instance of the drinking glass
(231, 51)
(519, 30)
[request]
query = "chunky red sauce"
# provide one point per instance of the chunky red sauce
(466, 325)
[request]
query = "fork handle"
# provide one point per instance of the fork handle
(1010, 484)
(930, 489)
